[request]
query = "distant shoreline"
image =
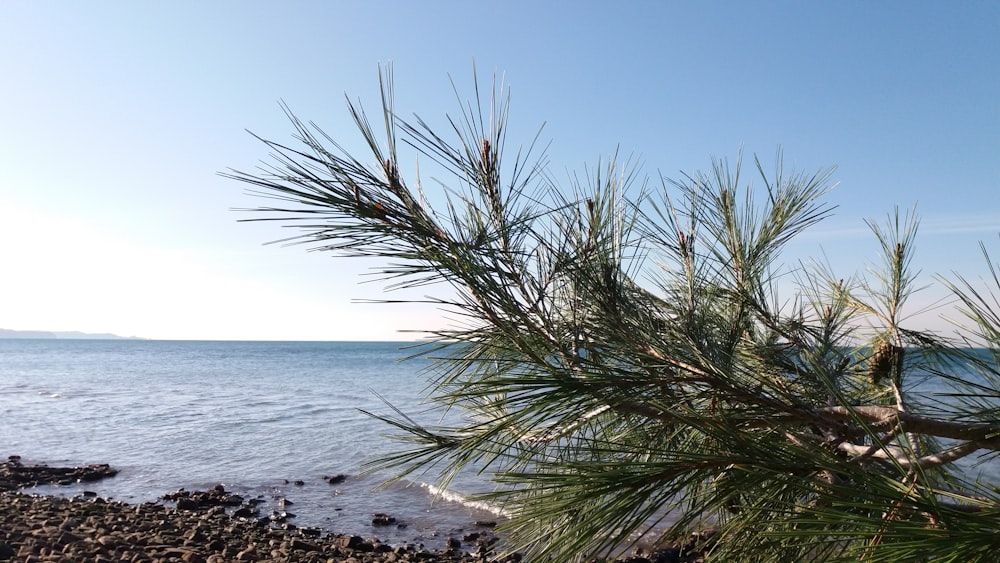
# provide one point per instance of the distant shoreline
(61, 335)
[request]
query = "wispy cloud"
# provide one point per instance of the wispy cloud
(978, 223)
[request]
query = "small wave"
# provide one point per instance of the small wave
(452, 496)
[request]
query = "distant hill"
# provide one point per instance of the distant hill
(70, 335)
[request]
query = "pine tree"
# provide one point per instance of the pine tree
(627, 364)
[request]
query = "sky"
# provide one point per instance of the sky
(116, 118)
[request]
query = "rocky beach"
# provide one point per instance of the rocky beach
(200, 526)
(210, 526)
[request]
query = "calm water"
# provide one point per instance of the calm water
(250, 415)
(255, 416)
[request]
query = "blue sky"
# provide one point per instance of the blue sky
(116, 116)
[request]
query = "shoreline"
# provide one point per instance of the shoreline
(45, 528)
(198, 528)
(344, 503)
(212, 526)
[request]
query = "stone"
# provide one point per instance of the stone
(245, 513)
(51, 529)
(335, 479)
(350, 542)
(14, 474)
(297, 544)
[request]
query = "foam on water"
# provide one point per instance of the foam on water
(452, 496)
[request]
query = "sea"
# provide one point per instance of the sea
(267, 420)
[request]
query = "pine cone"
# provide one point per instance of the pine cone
(886, 361)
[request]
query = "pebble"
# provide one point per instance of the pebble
(197, 530)
(40, 528)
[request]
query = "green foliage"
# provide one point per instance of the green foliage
(626, 363)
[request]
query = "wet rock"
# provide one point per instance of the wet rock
(311, 532)
(245, 512)
(187, 504)
(350, 542)
(14, 474)
(281, 517)
(380, 519)
(335, 479)
(199, 500)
